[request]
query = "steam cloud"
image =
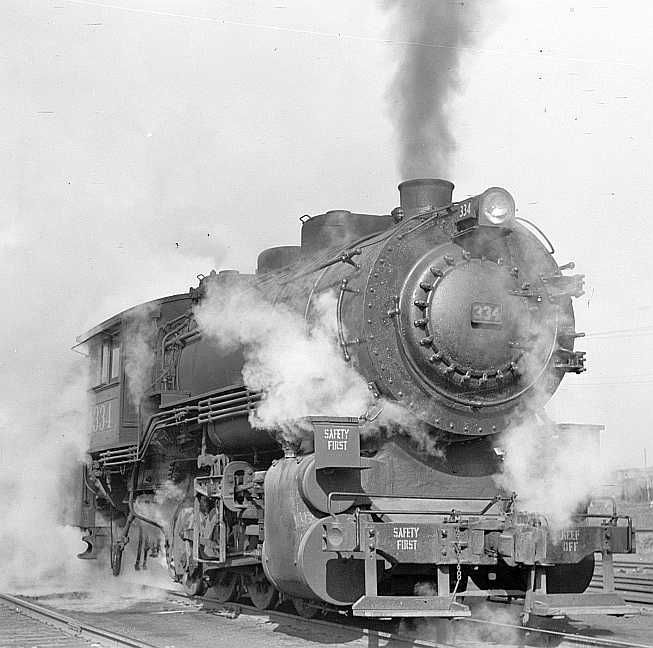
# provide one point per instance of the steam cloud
(424, 81)
(503, 628)
(299, 367)
(38, 460)
(552, 474)
(299, 370)
(139, 334)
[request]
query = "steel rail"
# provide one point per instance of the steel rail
(87, 631)
(72, 626)
(624, 564)
(640, 591)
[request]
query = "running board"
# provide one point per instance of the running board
(553, 605)
(409, 606)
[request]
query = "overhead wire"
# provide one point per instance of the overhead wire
(343, 36)
(626, 332)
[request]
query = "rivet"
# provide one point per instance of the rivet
(448, 259)
(381, 260)
(466, 428)
(369, 321)
(436, 272)
(371, 290)
(420, 303)
(451, 425)
(370, 305)
(480, 429)
(420, 323)
(514, 271)
(437, 421)
(425, 286)
(400, 394)
(494, 428)
(376, 274)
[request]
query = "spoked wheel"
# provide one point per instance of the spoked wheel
(305, 608)
(224, 587)
(260, 590)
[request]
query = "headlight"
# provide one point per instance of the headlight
(497, 207)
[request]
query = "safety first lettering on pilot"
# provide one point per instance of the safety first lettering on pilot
(336, 438)
(569, 539)
(406, 538)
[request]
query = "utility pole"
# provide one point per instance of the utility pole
(646, 477)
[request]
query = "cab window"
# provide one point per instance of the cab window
(107, 360)
(114, 372)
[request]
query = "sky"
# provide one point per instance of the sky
(144, 142)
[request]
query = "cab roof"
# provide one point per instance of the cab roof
(117, 319)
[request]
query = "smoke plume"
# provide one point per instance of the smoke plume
(433, 34)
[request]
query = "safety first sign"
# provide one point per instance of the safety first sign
(337, 443)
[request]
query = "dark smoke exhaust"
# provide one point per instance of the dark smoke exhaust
(424, 194)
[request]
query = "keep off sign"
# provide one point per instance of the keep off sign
(337, 443)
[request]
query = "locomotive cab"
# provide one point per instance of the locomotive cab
(111, 348)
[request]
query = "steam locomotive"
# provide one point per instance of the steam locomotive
(455, 312)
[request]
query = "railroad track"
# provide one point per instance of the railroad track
(41, 633)
(633, 580)
(368, 636)
(376, 636)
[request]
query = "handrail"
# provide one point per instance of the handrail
(539, 231)
(490, 501)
